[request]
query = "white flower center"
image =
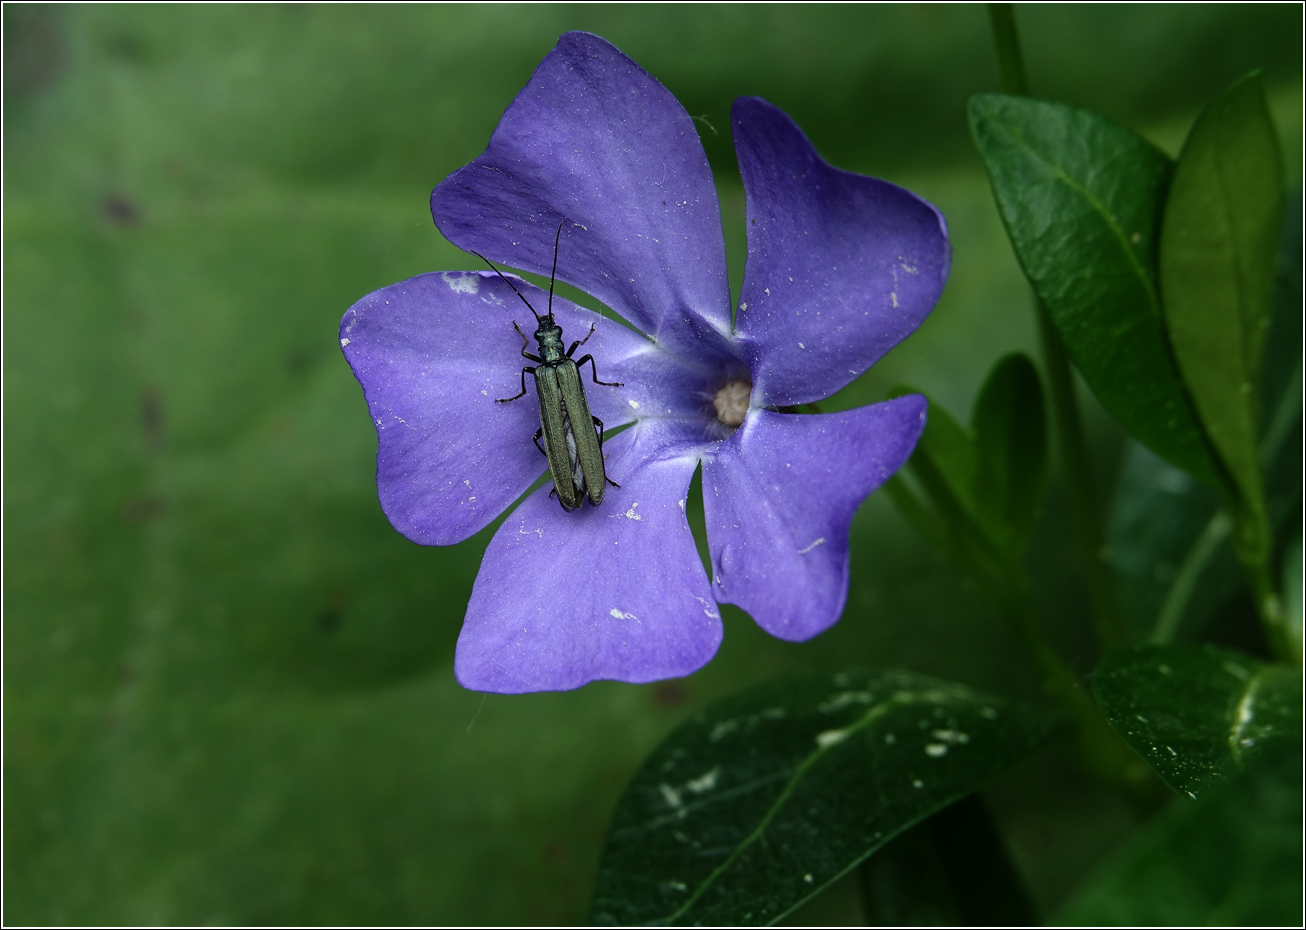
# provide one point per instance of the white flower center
(731, 402)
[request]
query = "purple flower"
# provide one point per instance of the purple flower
(840, 268)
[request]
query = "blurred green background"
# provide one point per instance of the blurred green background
(228, 682)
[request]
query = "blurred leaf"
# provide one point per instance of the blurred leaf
(1010, 430)
(952, 869)
(1234, 859)
(1219, 244)
(1081, 199)
(985, 485)
(1292, 585)
(1197, 713)
(1169, 549)
(760, 801)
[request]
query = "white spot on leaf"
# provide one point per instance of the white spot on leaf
(704, 782)
(831, 738)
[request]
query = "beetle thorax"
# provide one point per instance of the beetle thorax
(549, 338)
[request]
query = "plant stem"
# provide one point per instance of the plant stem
(1107, 622)
(1080, 494)
(1099, 747)
(1011, 64)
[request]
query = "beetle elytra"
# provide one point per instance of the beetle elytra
(573, 437)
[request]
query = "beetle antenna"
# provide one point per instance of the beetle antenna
(514, 287)
(557, 236)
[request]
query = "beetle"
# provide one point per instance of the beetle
(573, 437)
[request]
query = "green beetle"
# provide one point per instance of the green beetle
(573, 437)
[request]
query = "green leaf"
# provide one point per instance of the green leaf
(1292, 586)
(952, 869)
(985, 483)
(1197, 713)
(760, 801)
(1168, 539)
(1081, 198)
(1219, 244)
(1167, 536)
(1010, 430)
(1234, 859)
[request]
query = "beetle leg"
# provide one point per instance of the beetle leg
(525, 343)
(594, 372)
(524, 372)
(536, 439)
(581, 342)
(599, 424)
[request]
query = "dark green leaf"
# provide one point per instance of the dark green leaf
(1081, 198)
(1219, 244)
(984, 485)
(762, 800)
(1169, 545)
(1010, 430)
(1197, 713)
(949, 464)
(1234, 859)
(950, 870)
(1168, 539)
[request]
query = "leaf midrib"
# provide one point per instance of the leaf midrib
(1098, 207)
(898, 699)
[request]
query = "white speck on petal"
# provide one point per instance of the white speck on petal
(344, 342)
(894, 298)
(614, 612)
(819, 541)
(634, 404)
(463, 284)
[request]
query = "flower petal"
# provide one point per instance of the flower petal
(841, 267)
(433, 354)
(609, 592)
(595, 142)
(779, 498)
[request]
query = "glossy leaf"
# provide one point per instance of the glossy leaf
(760, 801)
(950, 870)
(1168, 539)
(1081, 198)
(1010, 429)
(1232, 860)
(1219, 244)
(1198, 714)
